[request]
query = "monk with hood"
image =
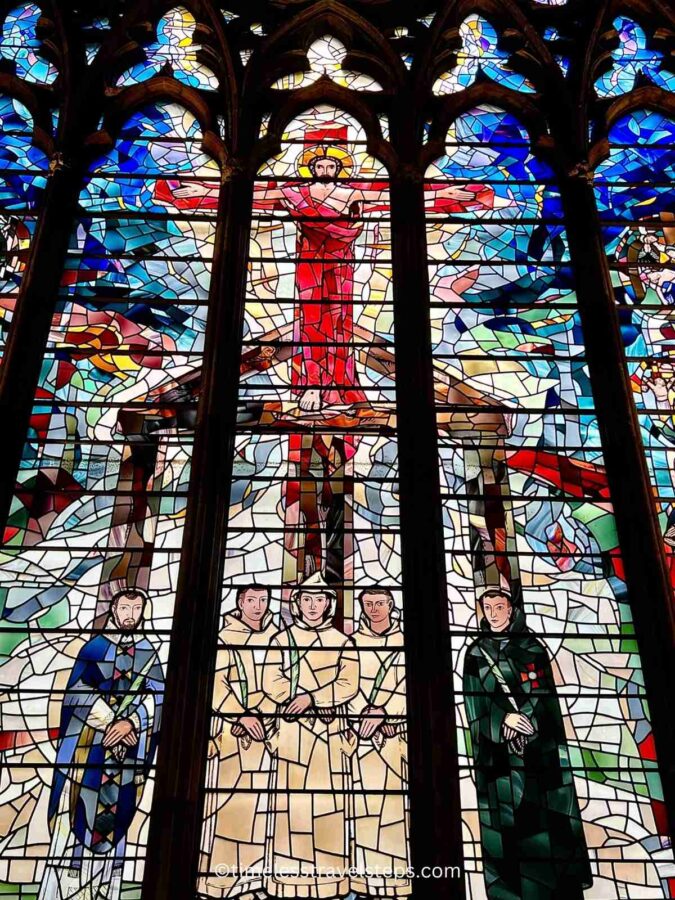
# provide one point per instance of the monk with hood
(239, 763)
(531, 830)
(311, 673)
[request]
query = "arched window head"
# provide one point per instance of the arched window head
(326, 58)
(480, 55)
(631, 59)
(490, 144)
(175, 52)
(21, 44)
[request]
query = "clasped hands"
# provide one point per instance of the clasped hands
(516, 724)
(303, 703)
(374, 720)
(250, 726)
(120, 732)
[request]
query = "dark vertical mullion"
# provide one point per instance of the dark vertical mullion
(32, 319)
(435, 812)
(640, 537)
(176, 816)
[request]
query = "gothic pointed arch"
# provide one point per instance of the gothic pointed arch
(367, 50)
(159, 89)
(619, 61)
(192, 49)
(479, 295)
(525, 109)
(515, 45)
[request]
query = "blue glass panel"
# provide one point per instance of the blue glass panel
(175, 50)
(630, 59)
(20, 44)
(23, 169)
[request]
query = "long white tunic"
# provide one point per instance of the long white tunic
(233, 846)
(308, 844)
(381, 852)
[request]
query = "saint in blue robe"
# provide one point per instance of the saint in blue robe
(96, 790)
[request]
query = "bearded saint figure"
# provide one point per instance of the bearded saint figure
(106, 745)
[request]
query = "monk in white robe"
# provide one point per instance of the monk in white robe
(233, 846)
(381, 850)
(312, 673)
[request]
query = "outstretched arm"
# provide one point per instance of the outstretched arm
(268, 195)
(187, 194)
(451, 198)
(440, 198)
(458, 194)
(374, 198)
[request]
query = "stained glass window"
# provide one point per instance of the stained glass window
(23, 178)
(307, 764)
(93, 542)
(336, 227)
(481, 55)
(95, 29)
(21, 45)
(632, 59)
(553, 38)
(173, 53)
(325, 57)
(634, 192)
(556, 755)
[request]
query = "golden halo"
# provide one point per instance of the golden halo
(321, 151)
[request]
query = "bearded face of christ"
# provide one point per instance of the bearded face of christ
(325, 169)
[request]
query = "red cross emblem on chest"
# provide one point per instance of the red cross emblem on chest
(532, 674)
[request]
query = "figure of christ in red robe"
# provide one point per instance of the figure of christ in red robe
(328, 211)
